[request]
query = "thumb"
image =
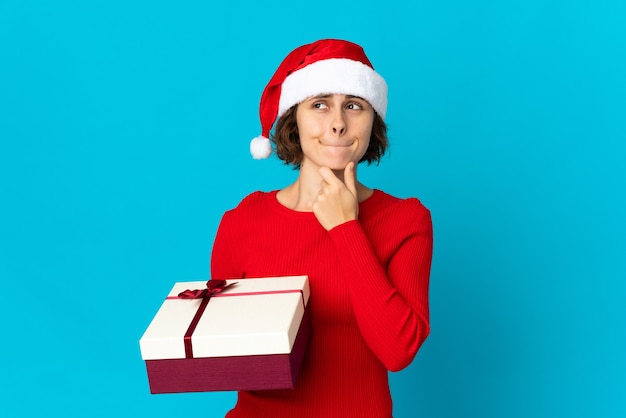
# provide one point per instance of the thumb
(349, 177)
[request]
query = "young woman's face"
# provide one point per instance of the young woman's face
(334, 129)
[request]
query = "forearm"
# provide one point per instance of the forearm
(390, 305)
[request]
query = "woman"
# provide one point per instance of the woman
(367, 254)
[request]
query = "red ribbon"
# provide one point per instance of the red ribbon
(212, 287)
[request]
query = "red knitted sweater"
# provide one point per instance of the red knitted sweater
(369, 297)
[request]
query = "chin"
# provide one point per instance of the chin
(336, 162)
(337, 165)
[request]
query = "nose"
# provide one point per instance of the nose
(338, 122)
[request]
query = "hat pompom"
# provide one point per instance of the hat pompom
(260, 148)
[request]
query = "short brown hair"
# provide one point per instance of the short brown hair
(287, 139)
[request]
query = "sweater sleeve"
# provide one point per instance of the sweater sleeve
(390, 302)
(221, 256)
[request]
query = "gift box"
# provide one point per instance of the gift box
(243, 334)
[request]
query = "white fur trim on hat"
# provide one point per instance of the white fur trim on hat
(260, 148)
(334, 76)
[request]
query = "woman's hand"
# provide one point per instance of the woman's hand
(337, 201)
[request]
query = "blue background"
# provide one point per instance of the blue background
(124, 130)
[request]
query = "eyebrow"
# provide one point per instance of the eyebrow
(326, 96)
(320, 96)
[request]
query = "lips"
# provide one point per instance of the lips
(338, 145)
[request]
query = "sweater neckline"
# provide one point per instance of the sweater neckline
(291, 212)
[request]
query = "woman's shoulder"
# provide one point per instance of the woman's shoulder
(394, 214)
(254, 202)
(381, 202)
(256, 198)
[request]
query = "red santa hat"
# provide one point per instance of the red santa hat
(328, 66)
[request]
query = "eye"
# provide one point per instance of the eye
(319, 105)
(354, 106)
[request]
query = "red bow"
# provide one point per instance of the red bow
(213, 286)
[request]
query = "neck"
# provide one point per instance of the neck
(301, 194)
